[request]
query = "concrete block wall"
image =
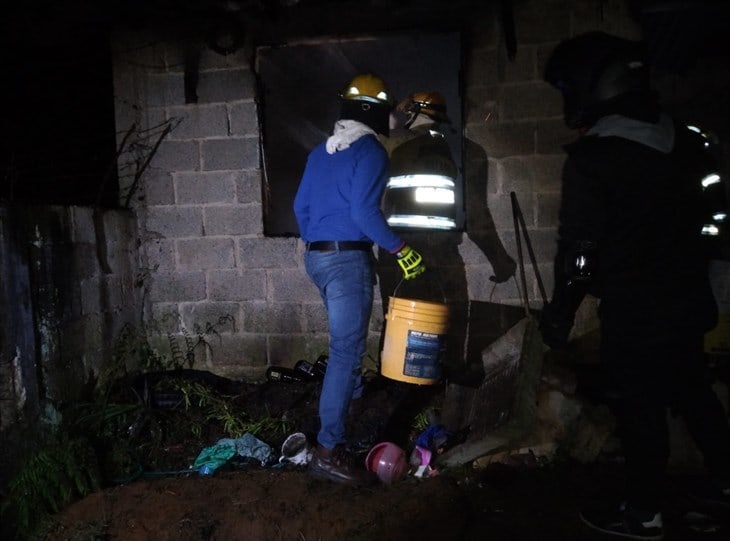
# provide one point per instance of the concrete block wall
(67, 291)
(517, 118)
(210, 271)
(200, 204)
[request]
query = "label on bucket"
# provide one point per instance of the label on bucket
(423, 353)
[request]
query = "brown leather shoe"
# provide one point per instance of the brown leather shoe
(336, 465)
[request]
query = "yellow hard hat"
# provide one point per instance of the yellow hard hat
(368, 87)
(430, 103)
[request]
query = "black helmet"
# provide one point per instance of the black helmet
(597, 74)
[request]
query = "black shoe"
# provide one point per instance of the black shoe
(624, 522)
(337, 465)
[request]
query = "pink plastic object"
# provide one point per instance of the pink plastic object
(387, 461)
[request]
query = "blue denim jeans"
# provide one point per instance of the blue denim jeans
(345, 280)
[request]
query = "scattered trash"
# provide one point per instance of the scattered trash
(282, 374)
(303, 371)
(212, 458)
(320, 365)
(295, 450)
(387, 461)
(421, 460)
(435, 438)
(249, 446)
(308, 369)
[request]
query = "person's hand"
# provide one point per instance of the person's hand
(410, 262)
(504, 271)
(554, 327)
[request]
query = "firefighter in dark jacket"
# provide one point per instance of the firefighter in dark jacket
(629, 234)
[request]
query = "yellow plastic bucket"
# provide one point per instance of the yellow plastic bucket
(415, 341)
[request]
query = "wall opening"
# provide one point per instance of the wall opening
(299, 93)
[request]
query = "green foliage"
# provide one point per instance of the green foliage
(120, 433)
(132, 348)
(48, 480)
(422, 420)
(219, 409)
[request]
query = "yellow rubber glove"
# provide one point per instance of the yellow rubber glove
(410, 261)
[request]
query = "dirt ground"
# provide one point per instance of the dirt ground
(518, 498)
(505, 505)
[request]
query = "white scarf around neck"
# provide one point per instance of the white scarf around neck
(345, 133)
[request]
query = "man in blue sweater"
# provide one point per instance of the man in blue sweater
(337, 207)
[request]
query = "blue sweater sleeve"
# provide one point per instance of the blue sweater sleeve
(369, 180)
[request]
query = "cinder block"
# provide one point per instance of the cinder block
(530, 100)
(139, 48)
(484, 29)
(248, 185)
(277, 317)
(177, 286)
(548, 206)
(517, 174)
(261, 253)
(481, 68)
(234, 353)
(230, 285)
(500, 207)
(163, 89)
(522, 69)
(164, 318)
(286, 350)
(481, 105)
(205, 187)
(539, 21)
(291, 285)
(495, 175)
(243, 118)
(210, 59)
(225, 85)
(542, 54)
(612, 17)
(552, 135)
(505, 139)
(159, 255)
(315, 317)
(199, 121)
(176, 156)
(90, 299)
(211, 317)
(205, 253)
(114, 295)
(85, 261)
(234, 153)
(233, 220)
(158, 188)
(174, 221)
(548, 172)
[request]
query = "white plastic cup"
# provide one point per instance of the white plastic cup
(295, 449)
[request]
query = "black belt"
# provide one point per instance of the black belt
(325, 245)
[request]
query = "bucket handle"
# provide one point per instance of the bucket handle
(428, 271)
